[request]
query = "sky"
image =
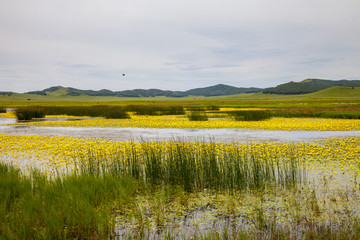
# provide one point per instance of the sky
(175, 44)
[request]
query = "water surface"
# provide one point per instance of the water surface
(146, 134)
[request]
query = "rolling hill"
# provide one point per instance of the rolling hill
(309, 85)
(217, 90)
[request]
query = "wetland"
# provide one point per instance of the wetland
(167, 177)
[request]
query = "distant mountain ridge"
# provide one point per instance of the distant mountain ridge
(216, 90)
(309, 85)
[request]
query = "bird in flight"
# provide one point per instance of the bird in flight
(123, 74)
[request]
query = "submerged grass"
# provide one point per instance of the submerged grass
(108, 206)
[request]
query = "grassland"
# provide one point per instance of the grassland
(333, 94)
(54, 187)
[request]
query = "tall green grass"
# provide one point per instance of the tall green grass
(145, 182)
(195, 167)
(340, 114)
(336, 113)
(91, 111)
(155, 110)
(197, 115)
(250, 115)
(28, 113)
(72, 207)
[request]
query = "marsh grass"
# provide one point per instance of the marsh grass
(197, 115)
(91, 111)
(340, 115)
(258, 115)
(213, 108)
(194, 113)
(318, 112)
(196, 166)
(73, 207)
(271, 214)
(155, 110)
(28, 113)
(172, 190)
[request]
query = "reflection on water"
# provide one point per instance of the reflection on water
(147, 134)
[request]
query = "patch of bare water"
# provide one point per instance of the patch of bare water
(7, 121)
(156, 134)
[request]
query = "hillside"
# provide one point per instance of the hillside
(220, 90)
(337, 92)
(288, 90)
(310, 85)
(329, 93)
(217, 90)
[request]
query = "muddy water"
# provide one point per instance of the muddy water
(148, 134)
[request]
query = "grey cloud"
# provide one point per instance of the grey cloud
(89, 42)
(75, 65)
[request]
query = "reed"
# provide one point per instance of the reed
(197, 115)
(28, 113)
(91, 111)
(250, 191)
(340, 115)
(317, 112)
(258, 115)
(155, 110)
(72, 207)
(196, 166)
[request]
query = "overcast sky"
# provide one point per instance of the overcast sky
(175, 44)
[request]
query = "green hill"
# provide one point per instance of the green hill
(332, 92)
(308, 88)
(217, 90)
(220, 90)
(337, 92)
(310, 85)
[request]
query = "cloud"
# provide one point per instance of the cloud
(175, 44)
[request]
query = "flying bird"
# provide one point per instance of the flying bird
(123, 74)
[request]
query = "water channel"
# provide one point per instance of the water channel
(158, 134)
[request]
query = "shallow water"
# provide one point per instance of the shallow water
(146, 134)
(7, 120)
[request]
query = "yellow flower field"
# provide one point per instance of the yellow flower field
(52, 154)
(287, 124)
(7, 115)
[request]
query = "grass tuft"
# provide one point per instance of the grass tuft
(28, 113)
(197, 115)
(250, 115)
